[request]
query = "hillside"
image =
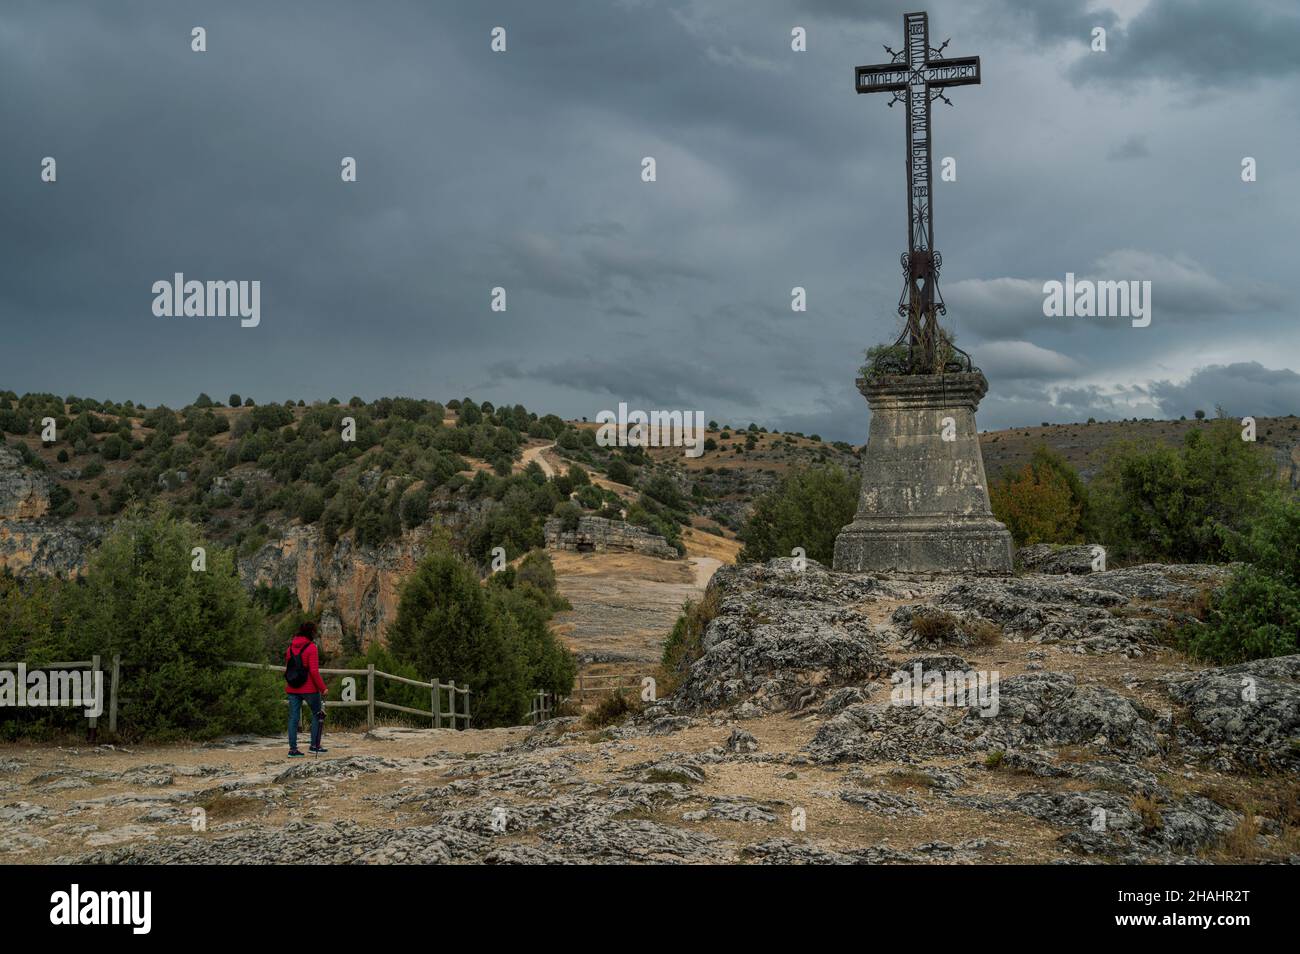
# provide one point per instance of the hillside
(334, 526)
(1083, 445)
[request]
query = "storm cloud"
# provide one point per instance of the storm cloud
(522, 170)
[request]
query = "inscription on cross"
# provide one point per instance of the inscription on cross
(918, 75)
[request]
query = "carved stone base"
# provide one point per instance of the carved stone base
(924, 502)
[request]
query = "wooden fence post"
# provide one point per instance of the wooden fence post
(370, 696)
(466, 707)
(112, 692)
(437, 703)
(451, 700)
(94, 720)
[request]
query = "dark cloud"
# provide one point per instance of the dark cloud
(1242, 389)
(1205, 44)
(1133, 147)
(522, 170)
(674, 386)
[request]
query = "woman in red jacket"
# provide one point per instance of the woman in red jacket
(311, 689)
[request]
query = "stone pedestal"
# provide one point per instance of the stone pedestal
(924, 503)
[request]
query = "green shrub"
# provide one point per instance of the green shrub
(685, 643)
(174, 628)
(446, 628)
(1182, 505)
(1256, 614)
(807, 509)
(610, 709)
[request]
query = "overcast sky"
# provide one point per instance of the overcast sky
(522, 170)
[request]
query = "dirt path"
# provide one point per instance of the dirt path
(704, 568)
(538, 454)
(624, 604)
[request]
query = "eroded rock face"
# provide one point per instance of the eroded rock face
(30, 540)
(596, 534)
(782, 636)
(358, 587)
(24, 493)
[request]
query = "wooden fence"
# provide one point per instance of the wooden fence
(93, 665)
(544, 707)
(438, 717)
(434, 713)
(598, 684)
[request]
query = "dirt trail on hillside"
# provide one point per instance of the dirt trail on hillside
(624, 604)
(538, 454)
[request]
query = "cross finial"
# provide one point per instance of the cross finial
(918, 75)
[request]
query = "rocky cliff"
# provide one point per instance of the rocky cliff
(356, 588)
(31, 541)
(599, 535)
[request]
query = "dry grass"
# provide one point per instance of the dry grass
(1149, 810)
(610, 709)
(935, 626)
(983, 633)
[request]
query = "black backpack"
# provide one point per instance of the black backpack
(295, 671)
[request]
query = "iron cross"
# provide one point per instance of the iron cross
(917, 76)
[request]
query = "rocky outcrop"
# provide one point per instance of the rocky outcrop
(1248, 713)
(30, 540)
(596, 534)
(1051, 558)
(24, 492)
(356, 588)
(47, 547)
(782, 636)
(1128, 610)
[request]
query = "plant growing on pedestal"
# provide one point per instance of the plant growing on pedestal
(902, 358)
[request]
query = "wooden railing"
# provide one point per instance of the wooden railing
(92, 664)
(544, 707)
(434, 713)
(438, 717)
(603, 684)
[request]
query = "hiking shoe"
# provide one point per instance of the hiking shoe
(318, 750)
(295, 754)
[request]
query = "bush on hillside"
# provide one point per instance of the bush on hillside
(174, 627)
(1045, 502)
(1256, 613)
(495, 638)
(808, 508)
(1183, 505)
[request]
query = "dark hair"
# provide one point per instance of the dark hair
(307, 629)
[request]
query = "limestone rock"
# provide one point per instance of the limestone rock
(1244, 714)
(24, 491)
(1050, 558)
(596, 534)
(780, 630)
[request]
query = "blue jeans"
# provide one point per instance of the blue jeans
(296, 699)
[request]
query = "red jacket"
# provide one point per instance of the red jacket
(311, 659)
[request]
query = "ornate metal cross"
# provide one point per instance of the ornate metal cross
(917, 76)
